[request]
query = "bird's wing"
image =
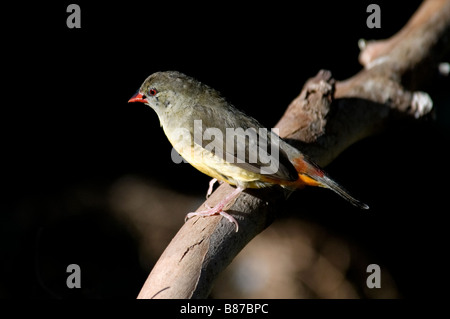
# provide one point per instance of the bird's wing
(249, 147)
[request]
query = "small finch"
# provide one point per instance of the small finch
(253, 157)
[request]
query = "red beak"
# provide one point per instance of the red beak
(138, 97)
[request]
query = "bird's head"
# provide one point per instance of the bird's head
(157, 91)
(169, 91)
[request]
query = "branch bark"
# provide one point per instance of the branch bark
(326, 118)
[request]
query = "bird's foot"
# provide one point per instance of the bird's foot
(219, 208)
(211, 212)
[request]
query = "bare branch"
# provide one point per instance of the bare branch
(325, 119)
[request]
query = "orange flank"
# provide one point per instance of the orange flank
(308, 175)
(307, 172)
(308, 180)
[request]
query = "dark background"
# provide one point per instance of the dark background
(67, 128)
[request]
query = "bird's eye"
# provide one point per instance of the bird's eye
(152, 92)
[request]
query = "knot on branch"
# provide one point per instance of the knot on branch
(305, 118)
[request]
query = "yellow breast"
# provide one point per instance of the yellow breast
(216, 167)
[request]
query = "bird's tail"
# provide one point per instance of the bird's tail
(310, 174)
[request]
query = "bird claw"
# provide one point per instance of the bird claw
(231, 219)
(211, 212)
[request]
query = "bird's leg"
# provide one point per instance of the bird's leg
(210, 189)
(211, 185)
(219, 208)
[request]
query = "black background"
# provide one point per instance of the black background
(66, 122)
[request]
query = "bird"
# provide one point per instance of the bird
(223, 142)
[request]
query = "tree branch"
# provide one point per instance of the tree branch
(325, 119)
